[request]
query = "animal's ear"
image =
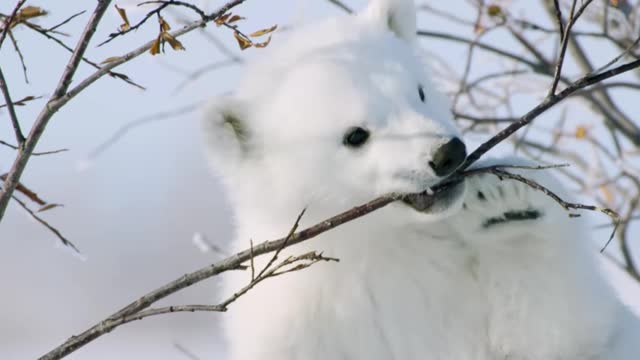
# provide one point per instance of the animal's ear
(399, 16)
(226, 132)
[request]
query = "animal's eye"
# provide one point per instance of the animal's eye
(421, 93)
(355, 137)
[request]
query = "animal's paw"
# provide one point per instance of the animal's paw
(498, 206)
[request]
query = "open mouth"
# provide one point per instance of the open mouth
(437, 199)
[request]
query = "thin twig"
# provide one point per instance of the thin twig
(566, 205)
(113, 74)
(342, 6)
(186, 352)
(128, 126)
(55, 231)
(67, 20)
(131, 28)
(12, 111)
(292, 231)
(51, 152)
(207, 68)
(16, 48)
(558, 12)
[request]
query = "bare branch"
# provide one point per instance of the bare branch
(136, 310)
(66, 21)
(61, 96)
(547, 103)
(50, 108)
(234, 262)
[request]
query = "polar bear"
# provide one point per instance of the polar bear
(342, 112)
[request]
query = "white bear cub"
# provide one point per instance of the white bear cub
(342, 112)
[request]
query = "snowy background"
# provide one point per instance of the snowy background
(134, 209)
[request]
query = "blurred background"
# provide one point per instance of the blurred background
(142, 207)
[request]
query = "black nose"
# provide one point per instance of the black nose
(448, 157)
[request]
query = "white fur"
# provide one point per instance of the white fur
(408, 285)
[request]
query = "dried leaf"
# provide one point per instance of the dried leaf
(494, 10)
(155, 47)
(222, 19)
(110, 59)
(30, 12)
(164, 26)
(581, 132)
(26, 191)
(123, 14)
(243, 42)
(263, 44)
(263, 31)
(49, 207)
(175, 44)
(235, 18)
(25, 99)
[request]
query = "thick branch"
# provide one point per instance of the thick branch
(136, 310)
(231, 263)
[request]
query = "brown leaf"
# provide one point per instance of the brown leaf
(155, 47)
(235, 18)
(26, 192)
(263, 44)
(243, 42)
(49, 207)
(222, 19)
(263, 31)
(123, 15)
(23, 101)
(164, 26)
(30, 12)
(175, 44)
